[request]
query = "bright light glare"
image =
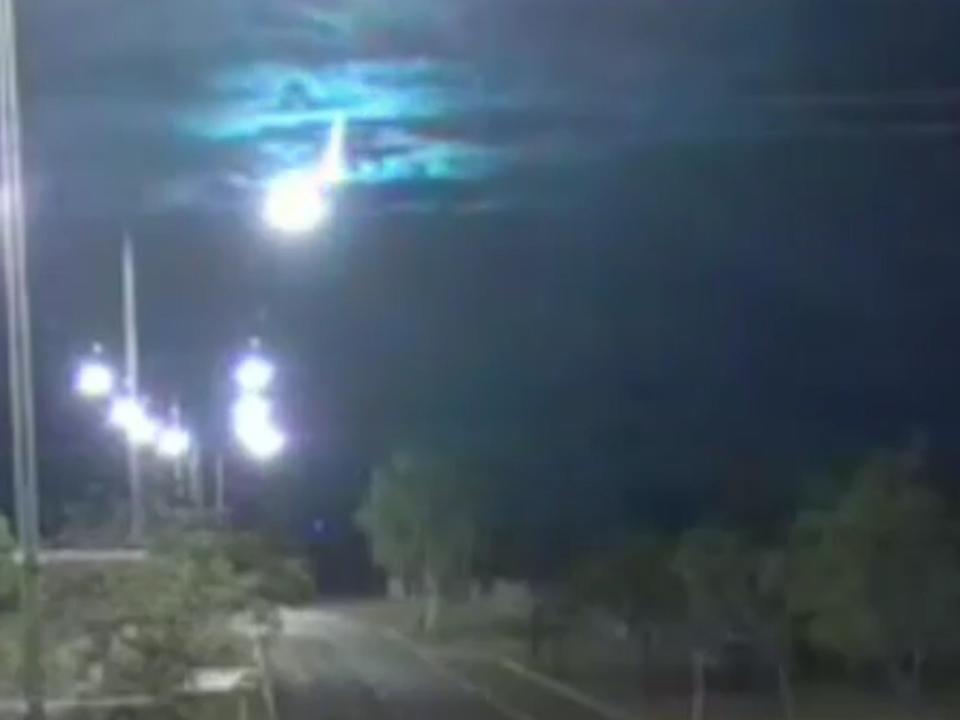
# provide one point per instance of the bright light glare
(295, 203)
(254, 374)
(263, 442)
(128, 414)
(95, 380)
(250, 411)
(173, 442)
(124, 411)
(254, 428)
(298, 201)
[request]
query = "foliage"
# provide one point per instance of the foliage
(9, 573)
(146, 625)
(716, 568)
(275, 576)
(636, 582)
(877, 573)
(421, 518)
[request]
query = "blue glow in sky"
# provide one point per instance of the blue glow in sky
(188, 103)
(403, 117)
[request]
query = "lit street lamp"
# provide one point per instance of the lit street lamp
(254, 374)
(254, 428)
(95, 380)
(129, 415)
(173, 442)
(263, 442)
(250, 412)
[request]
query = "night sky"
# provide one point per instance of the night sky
(630, 252)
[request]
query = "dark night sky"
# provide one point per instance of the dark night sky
(620, 246)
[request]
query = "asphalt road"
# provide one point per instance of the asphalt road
(329, 668)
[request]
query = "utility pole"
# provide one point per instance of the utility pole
(20, 352)
(132, 361)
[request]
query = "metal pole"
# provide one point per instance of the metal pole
(20, 362)
(132, 357)
(180, 462)
(220, 490)
(195, 477)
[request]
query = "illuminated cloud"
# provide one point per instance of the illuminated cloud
(185, 104)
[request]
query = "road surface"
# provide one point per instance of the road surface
(326, 667)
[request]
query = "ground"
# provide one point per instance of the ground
(324, 662)
(363, 662)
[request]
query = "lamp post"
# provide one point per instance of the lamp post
(97, 380)
(131, 351)
(13, 231)
(253, 426)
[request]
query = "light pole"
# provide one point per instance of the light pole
(20, 361)
(96, 380)
(220, 488)
(253, 426)
(131, 351)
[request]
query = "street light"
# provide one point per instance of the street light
(262, 442)
(250, 411)
(173, 442)
(23, 450)
(95, 379)
(129, 415)
(254, 428)
(254, 373)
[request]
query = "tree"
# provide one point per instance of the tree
(637, 584)
(768, 617)
(878, 574)
(275, 576)
(716, 570)
(421, 518)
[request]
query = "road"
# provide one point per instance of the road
(330, 668)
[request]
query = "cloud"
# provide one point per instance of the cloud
(456, 91)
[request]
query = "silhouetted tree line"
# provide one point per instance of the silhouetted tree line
(870, 577)
(867, 576)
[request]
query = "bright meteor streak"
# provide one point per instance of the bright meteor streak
(298, 201)
(333, 165)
